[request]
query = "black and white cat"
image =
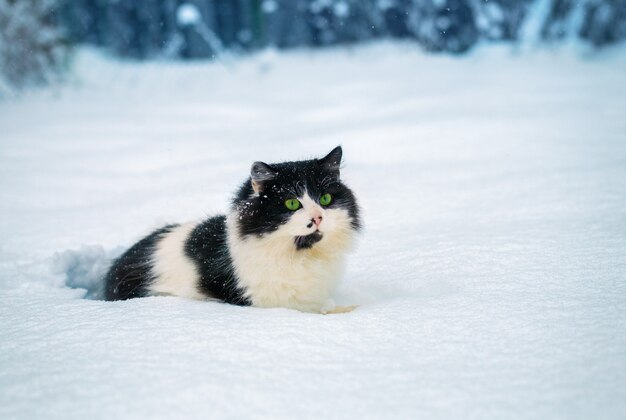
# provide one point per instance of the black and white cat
(282, 244)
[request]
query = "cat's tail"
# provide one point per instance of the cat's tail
(85, 268)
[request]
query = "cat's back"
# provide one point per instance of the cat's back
(190, 260)
(131, 274)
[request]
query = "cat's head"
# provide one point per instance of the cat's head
(304, 202)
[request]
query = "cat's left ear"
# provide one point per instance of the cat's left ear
(332, 161)
(260, 173)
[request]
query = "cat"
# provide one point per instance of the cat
(282, 244)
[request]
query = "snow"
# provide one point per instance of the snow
(188, 14)
(269, 6)
(490, 277)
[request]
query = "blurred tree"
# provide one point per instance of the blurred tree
(33, 50)
(394, 16)
(285, 23)
(604, 22)
(500, 19)
(443, 25)
(601, 22)
(83, 20)
(558, 22)
(198, 22)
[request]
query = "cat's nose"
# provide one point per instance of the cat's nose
(317, 220)
(316, 217)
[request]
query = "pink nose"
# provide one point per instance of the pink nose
(317, 220)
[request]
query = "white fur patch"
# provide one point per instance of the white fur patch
(277, 274)
(174, 273)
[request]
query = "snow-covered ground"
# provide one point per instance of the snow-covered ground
(491, 276)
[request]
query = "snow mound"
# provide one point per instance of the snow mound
(84, 268)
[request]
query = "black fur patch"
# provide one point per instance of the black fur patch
(307, 241)
(130, 274)
(207, 246)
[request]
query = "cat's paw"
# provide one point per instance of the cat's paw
(339, 309)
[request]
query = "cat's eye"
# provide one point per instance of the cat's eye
(326, 199)
(292, 204)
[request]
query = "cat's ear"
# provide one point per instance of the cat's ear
(332, 161)
(260, 173)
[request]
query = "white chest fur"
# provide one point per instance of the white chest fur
(276, 274)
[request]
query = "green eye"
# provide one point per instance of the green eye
(326, 199)
(292, 204)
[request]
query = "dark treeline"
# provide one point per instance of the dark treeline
(36, 35)
(203, 28)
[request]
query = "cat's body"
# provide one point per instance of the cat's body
(282, 244)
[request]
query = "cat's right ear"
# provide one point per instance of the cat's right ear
(260, 173)
(332, 161)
